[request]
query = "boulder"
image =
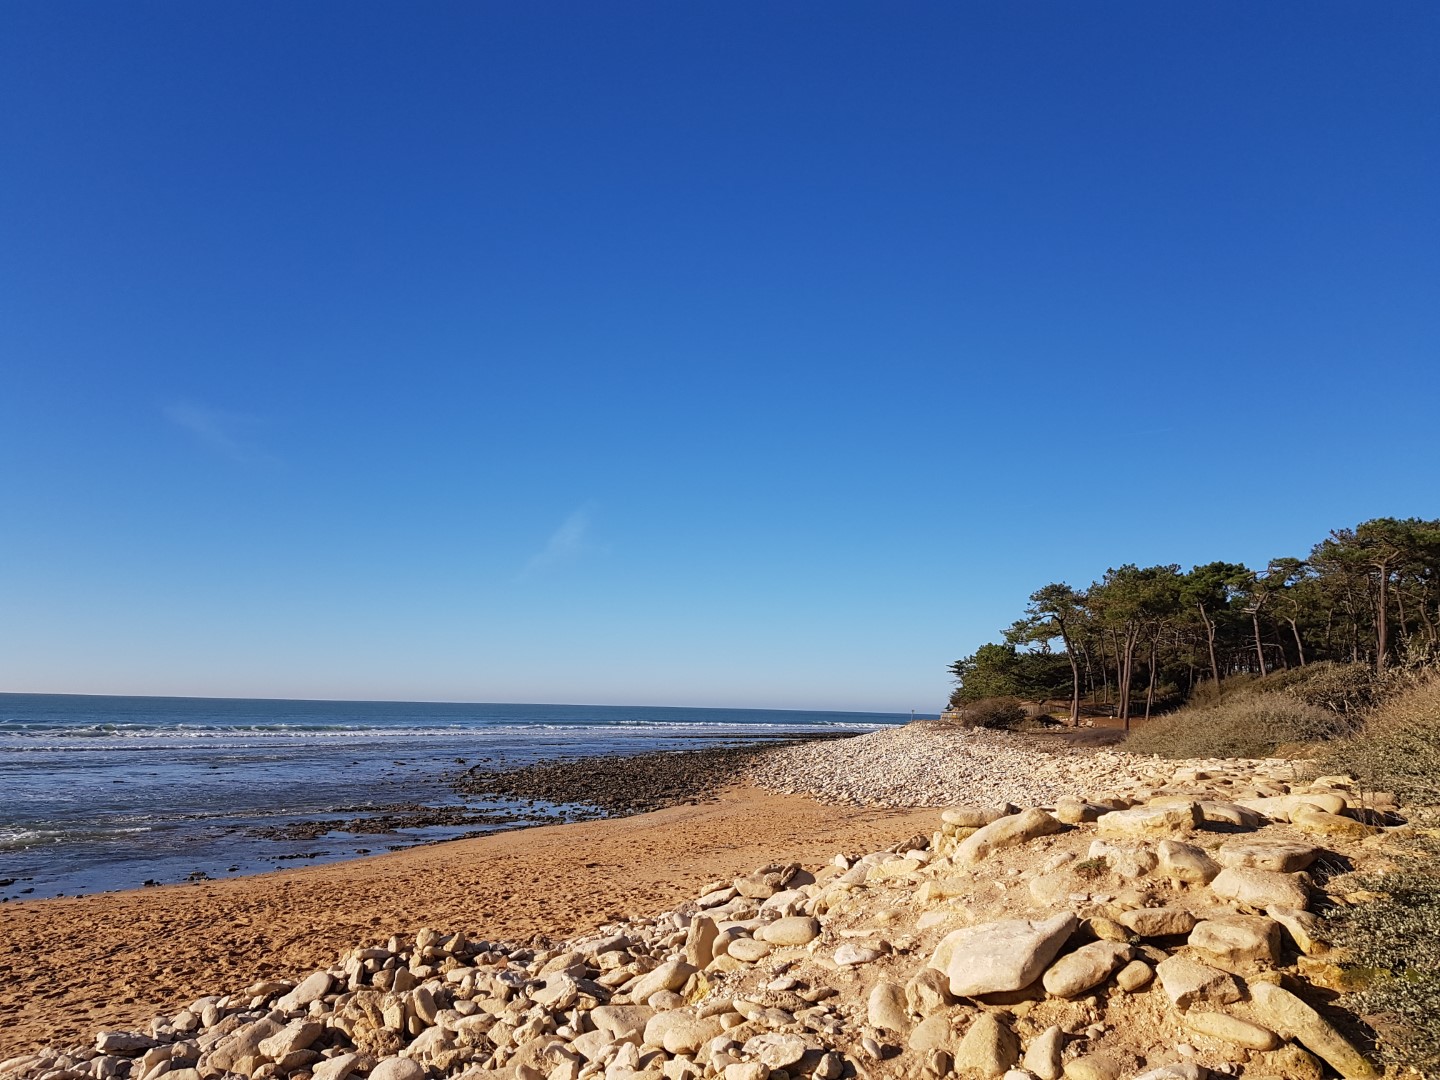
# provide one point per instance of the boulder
(1099, 1066)
(1285, 1013)
(1073, 810)
(1086, 968)
(700, 941)
(1279, 856)
(1259, 889)
(1187, 982)
(1229, 813)
(1128, 861)
(1238, 939)
(999, 956)
(1006, 832)
(1280, 807)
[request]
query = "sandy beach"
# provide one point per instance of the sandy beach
(72, 966)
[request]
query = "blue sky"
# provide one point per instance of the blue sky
(702, 354)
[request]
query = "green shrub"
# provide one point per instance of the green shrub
(993, 712)
(1393, 943)
(1251, 724)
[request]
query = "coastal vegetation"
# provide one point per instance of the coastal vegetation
(1144, 640)
(1333, 660)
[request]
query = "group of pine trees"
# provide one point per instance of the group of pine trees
(1365, 595)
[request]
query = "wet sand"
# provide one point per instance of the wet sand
(69, 967)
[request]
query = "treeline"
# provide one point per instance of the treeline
(1369, 595)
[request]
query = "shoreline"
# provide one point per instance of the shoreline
(70, 966)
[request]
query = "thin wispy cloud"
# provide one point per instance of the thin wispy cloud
(566, 544)
(227, 434)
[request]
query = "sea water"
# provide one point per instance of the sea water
(101, 793)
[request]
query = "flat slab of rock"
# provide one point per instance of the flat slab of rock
(1260, 889)
(1282, 1011)
(1302, 927)
(1277, 856)
(1187, 982)
(1150, 820)
(1238, 939)
(1315, 820)
(1000, 956)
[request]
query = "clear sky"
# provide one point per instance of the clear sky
(693, 354)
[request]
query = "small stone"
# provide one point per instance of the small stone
(1086, 968)
(748, 950)
(746, 1070)
(989, 1048)
(700, 941)
(928, 992)
(1134, 976)
(886, 1007)
(1302, 928)
(1187, 983)
(975, 817)
(852, 954)
(1094, 1067)
(1042, 1057)
(1232, 1029)
(337, 1068)
(1158, 922)
(791, 930)
(1184, 1070)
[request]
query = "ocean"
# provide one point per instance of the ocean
(101, 793)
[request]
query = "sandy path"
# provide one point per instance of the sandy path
(71, 966)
